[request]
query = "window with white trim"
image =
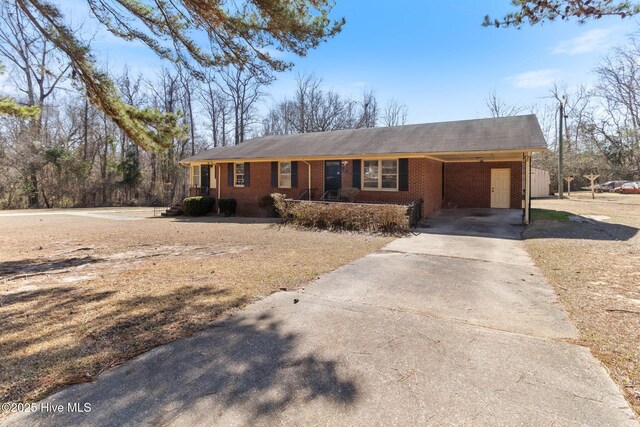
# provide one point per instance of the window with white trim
(284, 175)
(195, 176)
(238, 175)
(380, 175)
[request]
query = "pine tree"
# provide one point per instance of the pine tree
(9, 107)
(240, 33)
(539, 11)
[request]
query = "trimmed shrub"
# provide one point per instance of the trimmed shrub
(227, 206)
(345, 216)
(267, 203)
(198, 206)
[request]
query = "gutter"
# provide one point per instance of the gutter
(430, 155)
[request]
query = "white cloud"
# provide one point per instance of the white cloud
(534, 79)
(589, 41)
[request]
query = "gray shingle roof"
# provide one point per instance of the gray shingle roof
(495, 134)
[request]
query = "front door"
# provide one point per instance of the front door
(205, 180)
(332, 177)
(500, 188)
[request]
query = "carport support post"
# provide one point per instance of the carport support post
(527, 188)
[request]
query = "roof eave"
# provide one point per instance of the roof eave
(432, 155)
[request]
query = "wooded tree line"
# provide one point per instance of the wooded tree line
(74, 135)
(314, 109)
(73, 154)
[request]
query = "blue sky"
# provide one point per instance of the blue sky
(433, 55)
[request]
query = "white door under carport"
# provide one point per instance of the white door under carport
(500, 187)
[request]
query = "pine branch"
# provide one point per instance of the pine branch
(539, 11)
(9, 107)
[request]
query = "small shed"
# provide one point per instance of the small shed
(540, 183)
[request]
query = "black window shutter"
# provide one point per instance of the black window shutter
(356, 182)
(247, 173)
(230, 174)
(403, 174)
(294, 174)
(274, 174)
(205, 179)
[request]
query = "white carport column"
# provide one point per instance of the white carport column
(527, 188)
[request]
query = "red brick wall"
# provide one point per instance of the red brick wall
(469, 184)
(260, 185)
(425, 182)
(465, 185)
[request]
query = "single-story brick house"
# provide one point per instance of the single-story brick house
(470, 163)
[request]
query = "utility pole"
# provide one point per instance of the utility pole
(563, 100)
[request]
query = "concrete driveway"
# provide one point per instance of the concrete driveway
(453, 325)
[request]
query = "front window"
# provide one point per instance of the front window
(370, 174)
(284, 179)
(380, 174)
(239, 175)
(389, 174)
(195, 174)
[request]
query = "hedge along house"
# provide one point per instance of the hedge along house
(471, 163)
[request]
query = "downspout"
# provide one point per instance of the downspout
(309, 176)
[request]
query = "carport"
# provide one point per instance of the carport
(487, 179)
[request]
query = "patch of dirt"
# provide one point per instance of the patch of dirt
(594, 267)
(79, 294)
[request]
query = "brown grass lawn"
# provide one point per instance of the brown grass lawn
(79, 294)
(595, 269)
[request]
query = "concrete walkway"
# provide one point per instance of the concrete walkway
(452, 326)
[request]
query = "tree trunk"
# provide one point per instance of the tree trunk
(191, 124)
(85, 136)
(154, 174)
(46, 201)
(33, 194)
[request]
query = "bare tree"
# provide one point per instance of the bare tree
(130, 88)
(188, 82)
(244, 89)
(217, 108)
(498, 108)
(619, 85)
(314, 109)
(578, 111)
(37, 71)
(394, 114)
(369, 110)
